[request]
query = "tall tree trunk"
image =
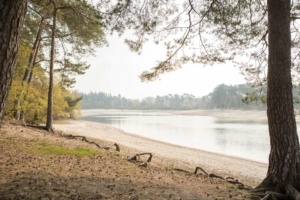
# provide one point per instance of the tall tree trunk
(34, 62)
(11, 21)
(34, 52)
(50, 91)
(283, 157)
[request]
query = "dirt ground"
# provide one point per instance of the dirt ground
(35, 164)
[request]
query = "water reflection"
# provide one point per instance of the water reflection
(248, 140)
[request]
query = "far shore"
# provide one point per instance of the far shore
(254, 115)
(242, 115)
(251, 172)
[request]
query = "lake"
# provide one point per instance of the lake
(245, 139)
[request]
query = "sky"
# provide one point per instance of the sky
(115, 70)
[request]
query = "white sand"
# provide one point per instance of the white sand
(251, 171)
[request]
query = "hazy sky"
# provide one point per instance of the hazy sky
(115, 69)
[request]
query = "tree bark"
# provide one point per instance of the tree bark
(12, 15)
(49, 122)
(284, 142)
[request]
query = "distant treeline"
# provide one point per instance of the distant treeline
(223, 97)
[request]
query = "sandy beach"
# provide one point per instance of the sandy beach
(248, 171)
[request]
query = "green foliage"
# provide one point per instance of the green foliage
(59, 104)
(34, 95)
(70, 69)
(35, 103)
(79, 32)
(73, 99)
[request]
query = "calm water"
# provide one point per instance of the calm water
(243, 139)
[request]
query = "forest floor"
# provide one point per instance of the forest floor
(35, 164)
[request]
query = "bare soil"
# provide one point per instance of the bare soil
(29, 172)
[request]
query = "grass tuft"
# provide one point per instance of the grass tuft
(58, 150)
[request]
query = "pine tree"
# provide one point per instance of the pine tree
(11, 19)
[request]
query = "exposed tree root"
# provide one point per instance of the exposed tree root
(145, 164)
(277, 195)
(207, 174)
(36, 125)
(182, 170)
(136, 159)
(292, 192)
(269, 197)
(227, 179)
(199, 168)
(267, 190)
(262, 194)
(83, 138)
(115, 144)
(50, 130)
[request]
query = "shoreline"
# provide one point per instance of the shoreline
(249, 171)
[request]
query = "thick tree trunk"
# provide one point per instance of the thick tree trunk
(282, 125)
(11, 21)
(50, 91)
